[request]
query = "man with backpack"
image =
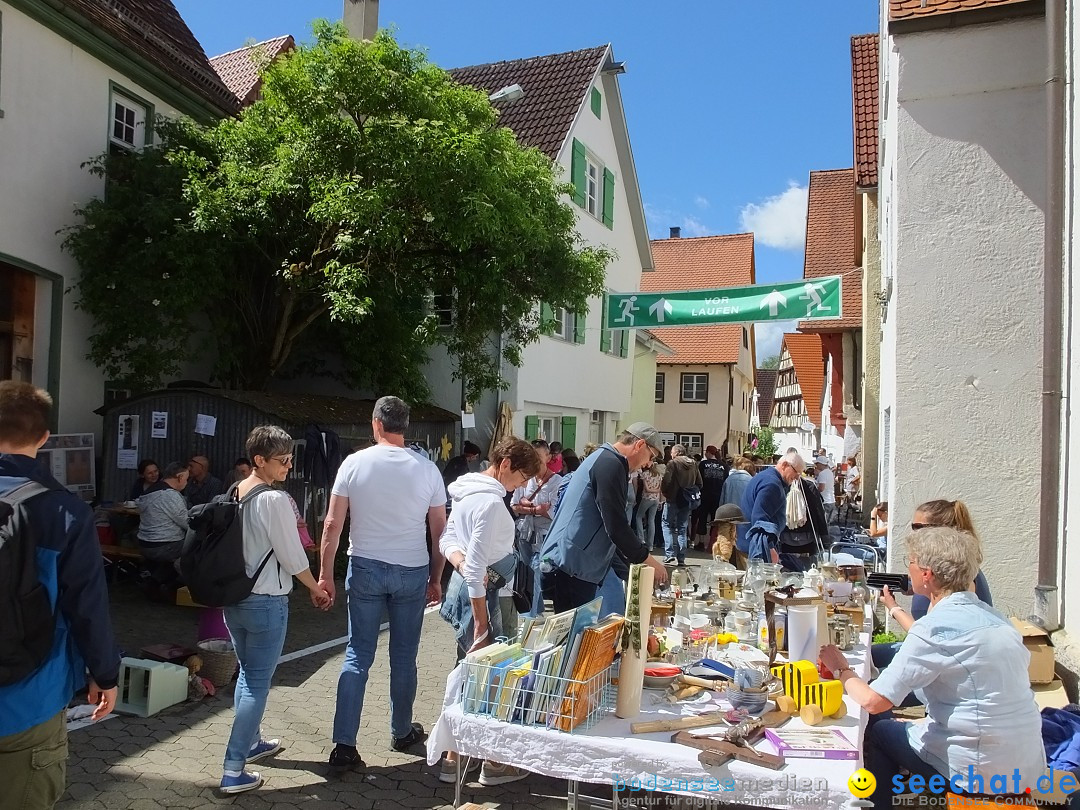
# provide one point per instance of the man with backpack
(682, 489)
(54, 608)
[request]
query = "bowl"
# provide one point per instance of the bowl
(753, 701)
(660, 676)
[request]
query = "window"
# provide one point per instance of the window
(442, 306)
(548, 428)
(661, 380)
(564, 327)
(745, 338)
(691, 441)
(695, 388)
(594, 185)
(130, 121)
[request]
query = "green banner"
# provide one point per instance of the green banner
(807, 300)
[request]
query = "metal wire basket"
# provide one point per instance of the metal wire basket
(536, 699)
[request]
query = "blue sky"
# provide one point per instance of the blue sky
(730, 104)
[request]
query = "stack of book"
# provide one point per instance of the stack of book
(553, 676)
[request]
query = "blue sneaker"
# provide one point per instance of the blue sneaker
(263, 749)
(248, 780)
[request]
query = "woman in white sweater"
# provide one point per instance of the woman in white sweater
(480, 536)
(257, 625)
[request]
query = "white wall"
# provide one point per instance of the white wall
(56, 115)
(964, 171)
(579, 376)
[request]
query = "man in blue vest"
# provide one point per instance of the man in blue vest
(765, 505)
(33, 729)
(591, 521)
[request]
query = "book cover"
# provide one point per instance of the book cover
(811, 743)
(599, 646)
(556, 630)
(585, 616)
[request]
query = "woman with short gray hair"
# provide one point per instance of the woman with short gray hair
(969, 665)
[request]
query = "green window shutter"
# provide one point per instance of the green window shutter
(597, 102)
(605, 334)
(577, 171)
(569, 431)
(579, 327)
(627, 337)
(609, 198)
(532, 427)
(547, 315)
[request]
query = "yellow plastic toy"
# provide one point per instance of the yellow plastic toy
(828, 695)
(794, 676)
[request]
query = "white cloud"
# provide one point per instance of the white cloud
(660, 221)
(768, 336)
(779, 221)
(701, 202)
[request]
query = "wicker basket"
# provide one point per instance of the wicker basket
(219, 661)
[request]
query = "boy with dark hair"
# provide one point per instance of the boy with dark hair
(33, 731)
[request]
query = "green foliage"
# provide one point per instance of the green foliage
(770, 362)
(888, 637)
(766, 443)
(312, 232)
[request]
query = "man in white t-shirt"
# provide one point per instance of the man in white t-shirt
(393, 496)
(826, 484)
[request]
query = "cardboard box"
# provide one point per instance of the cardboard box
(1037, 641)
(1051, 695)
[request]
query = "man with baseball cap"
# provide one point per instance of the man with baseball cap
(590, 523)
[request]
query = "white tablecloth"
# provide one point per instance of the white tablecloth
(608, 751)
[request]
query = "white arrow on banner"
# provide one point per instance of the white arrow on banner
(773, 301)
(659, 308)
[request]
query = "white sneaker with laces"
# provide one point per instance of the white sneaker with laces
(493, 773)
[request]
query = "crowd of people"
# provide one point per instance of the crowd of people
(574, 526)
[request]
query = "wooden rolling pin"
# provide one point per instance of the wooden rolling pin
(706, 683)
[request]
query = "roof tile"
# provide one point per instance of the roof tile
(239, 69)
(830, 244)
(864, 98)
(554, 85)
(701, 263)
(913, 9)
(765, 383)
(155, 31)
(808, 360)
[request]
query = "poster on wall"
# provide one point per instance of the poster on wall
(206, 425)
(69, 457)
(127, 443)
(159, 425)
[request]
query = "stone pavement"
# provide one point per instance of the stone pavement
(173, 759)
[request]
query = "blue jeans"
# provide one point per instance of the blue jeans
(531, 553)
(613, 593)
(646, 521)
(675, 520)
(257, 626)
(375, 588)
(885, 751)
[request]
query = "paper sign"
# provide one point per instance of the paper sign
(159, 425)
(127, 443)
(206, 425)
(468, 420)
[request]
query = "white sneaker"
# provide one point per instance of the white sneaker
(492, 773)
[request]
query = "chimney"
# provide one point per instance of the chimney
(361, 17)
(676, 233)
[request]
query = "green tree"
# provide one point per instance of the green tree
(766, 443)
(770, 362)
(316, 227)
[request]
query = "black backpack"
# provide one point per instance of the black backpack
(27, 623)
(212, 560)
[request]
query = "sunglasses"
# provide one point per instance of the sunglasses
(916, 526)
(284, 460)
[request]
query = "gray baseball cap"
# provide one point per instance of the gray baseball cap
(651, 436)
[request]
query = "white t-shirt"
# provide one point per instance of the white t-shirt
(826, 477)
(269, 524)
(849, 481)
(390, 490)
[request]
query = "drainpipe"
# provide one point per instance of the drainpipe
(730, 397)
(1047, 598)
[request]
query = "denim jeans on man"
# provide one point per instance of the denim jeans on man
(375, 589)
(676, 519)
(257, 626)
(645, 525)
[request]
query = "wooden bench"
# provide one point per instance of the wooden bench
(120, 553)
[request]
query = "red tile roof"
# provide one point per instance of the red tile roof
(864, 99)
(809, 363)
(830, 244)
(911, 9)
(154, 31)
(239, 69)
(701, 263)
(555, 88)
(765, 383)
